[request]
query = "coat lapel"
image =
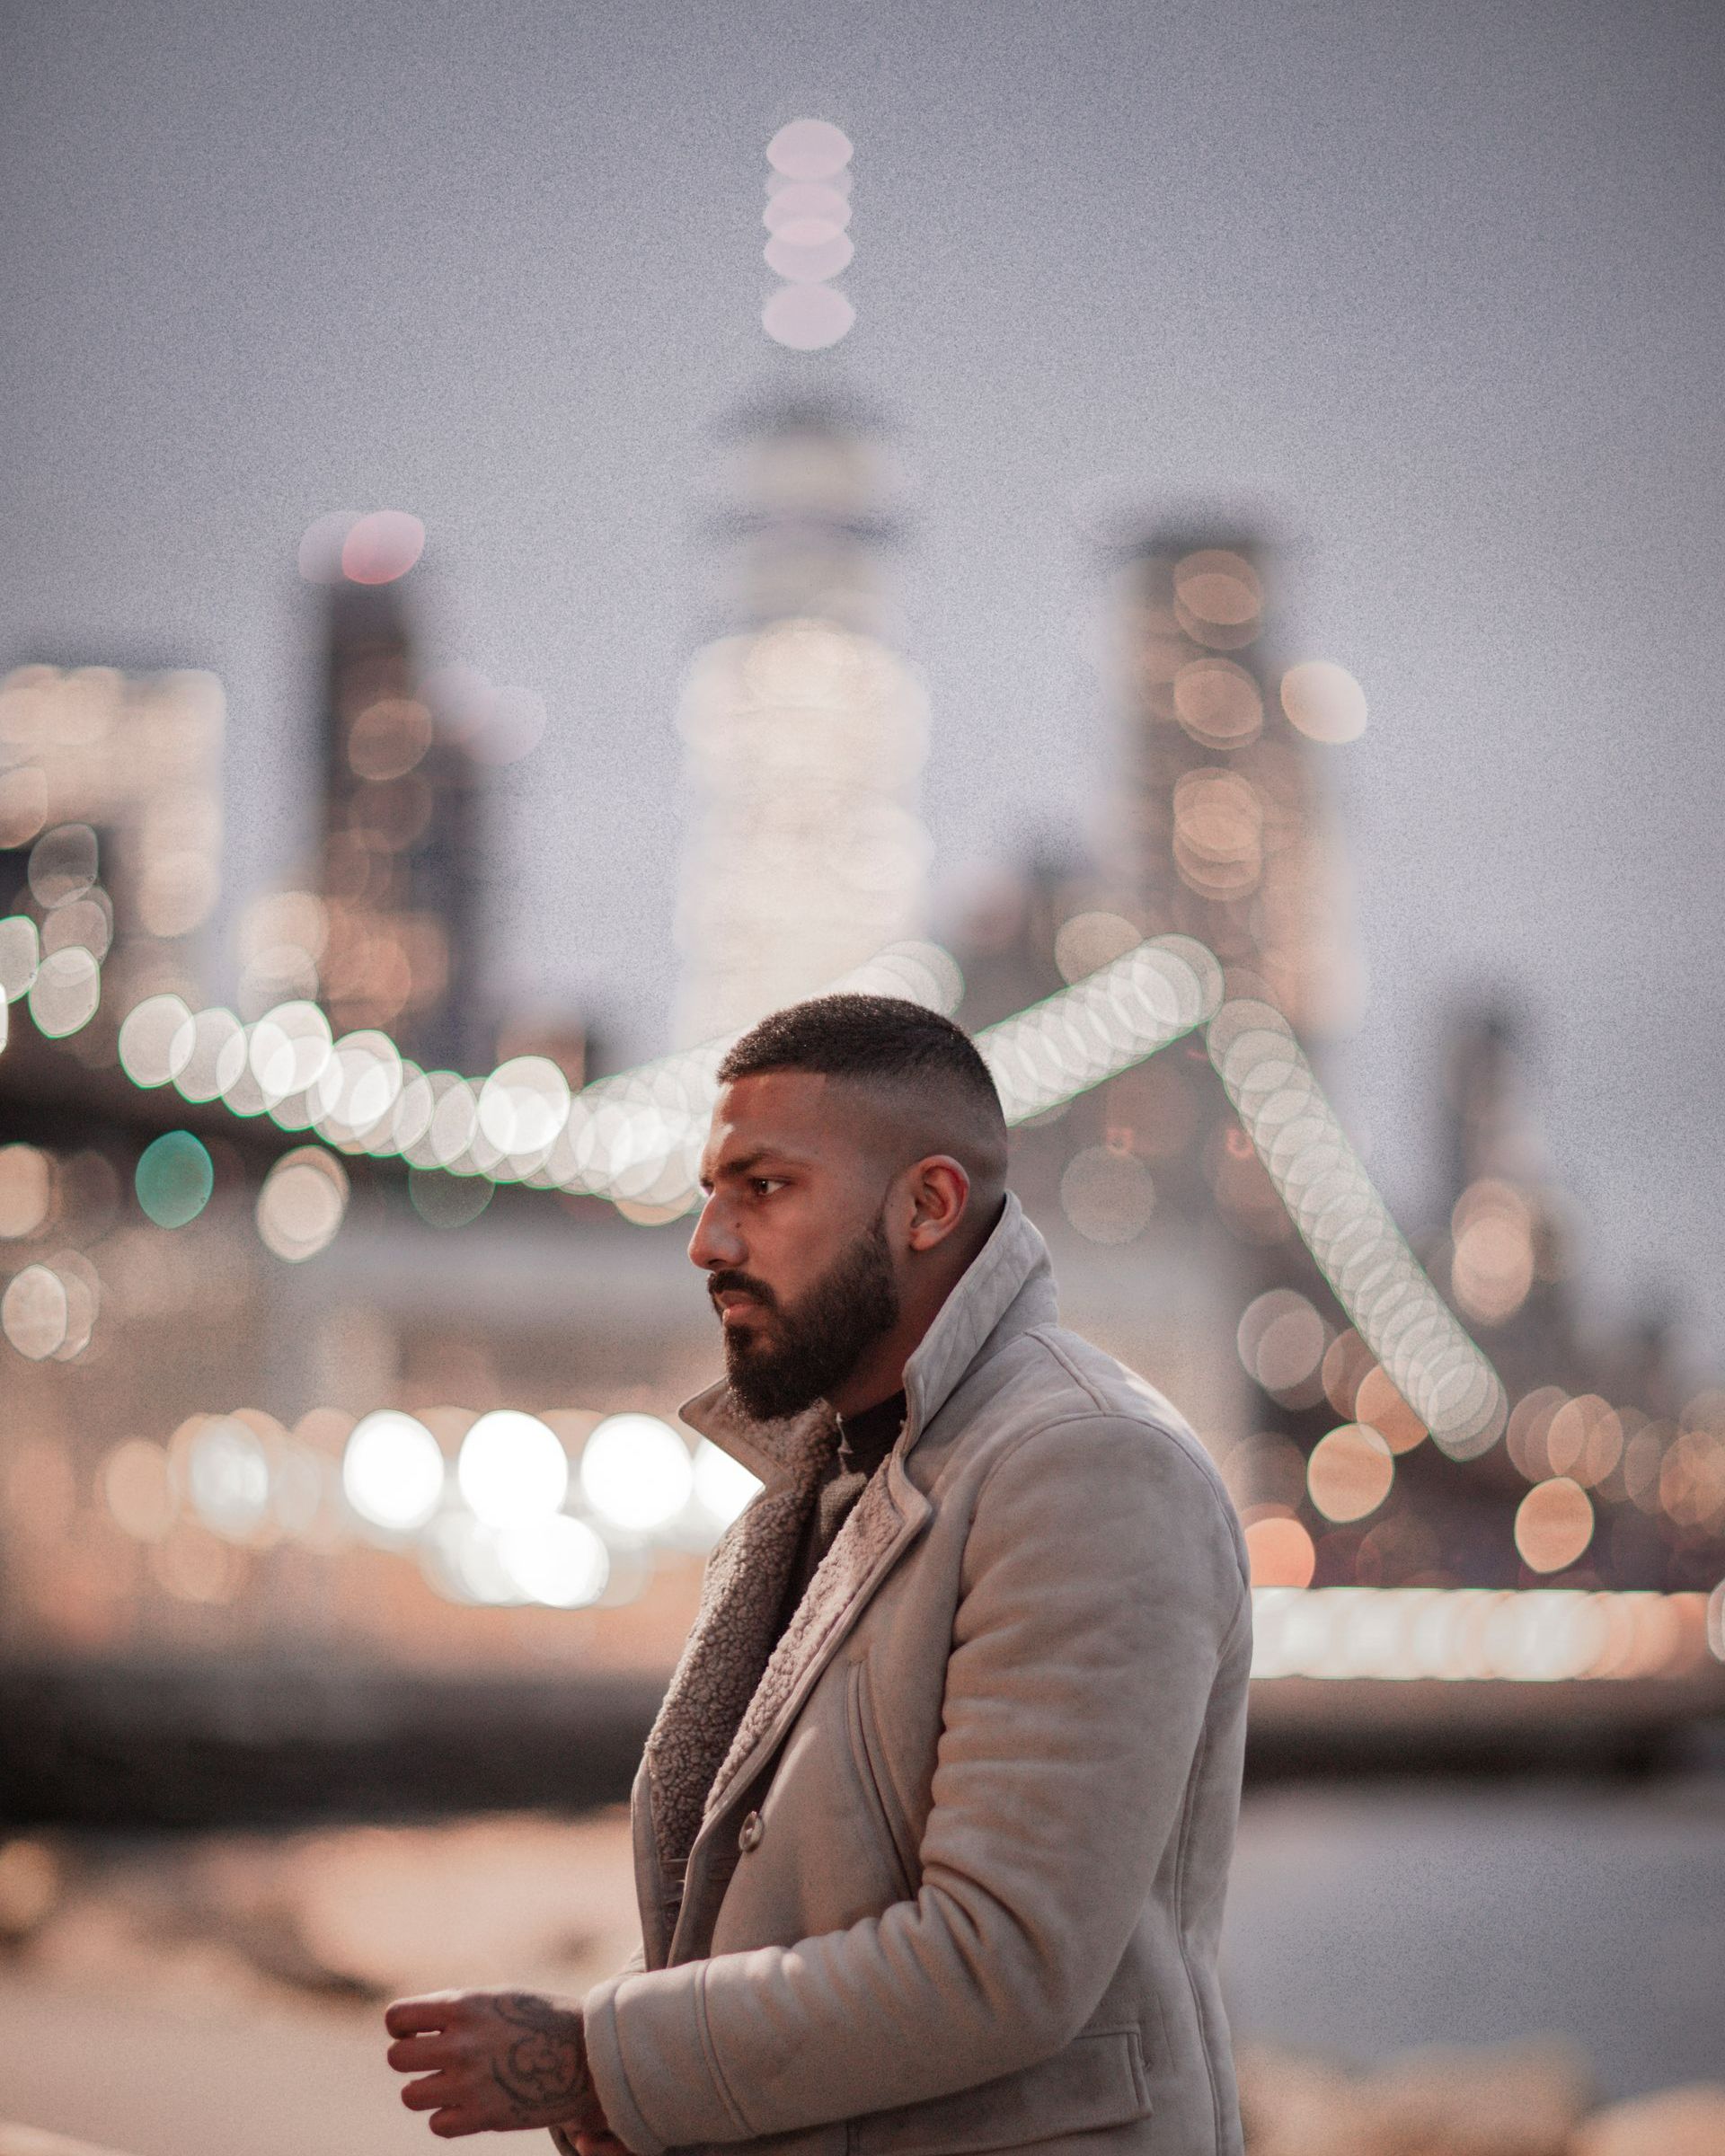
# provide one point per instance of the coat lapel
(721, 1666)
(884, 1521)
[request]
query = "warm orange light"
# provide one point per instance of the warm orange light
(1280, 1553)
(1553, 1524)
(1349, 1472)
(1378, 1404)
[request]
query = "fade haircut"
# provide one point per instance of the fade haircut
(883, 1038)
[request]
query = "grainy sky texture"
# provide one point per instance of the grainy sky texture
(1438, 288)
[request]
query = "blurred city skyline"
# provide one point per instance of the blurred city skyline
(1423, 295)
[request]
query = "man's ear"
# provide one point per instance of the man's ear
(939, 1193)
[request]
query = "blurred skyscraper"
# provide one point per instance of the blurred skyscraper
(1220, 828)
(388, 937)
(806, 731)
(110, 842)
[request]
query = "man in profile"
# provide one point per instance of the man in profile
(933, 1829)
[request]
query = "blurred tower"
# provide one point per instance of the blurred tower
(1509, 1225)
(805, 730)
(1221, 830)
(110, 838)
(400, 861)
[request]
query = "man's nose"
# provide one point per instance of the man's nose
(715, 1240)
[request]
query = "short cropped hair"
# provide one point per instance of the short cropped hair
(865, 1037)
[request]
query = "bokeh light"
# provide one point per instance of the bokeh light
(289, 1050)
(155, 1040)
(1104, 1024)
(449, 1201)
(26, 1190)
(34, 1312)
(1280, 1553)
(808, 253)
(809, 149)
(227, 1476)
(1491, 1263)
(19, 954)
(1282, 1342)
(555, 1560)
(1218, 702)
(812, 207)
(511, 1469)
(1545, 1635)
(1377, 1403)
(64, 995)
(1436, 1368)
(636, 1473)
(174, 1177)
(321, 544)
(1351, 1472)
(393, 1471)
(1553, 1524)
(1584, 1439)
(1215, 588)
(1092, 939)
(302, 1204)
(724, 1487)
(1108, 1197)
(137, 1484)
(524, 1104)
(1323, 701)
(381, 546)
(806, 318)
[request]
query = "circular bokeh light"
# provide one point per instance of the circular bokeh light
(381, 546)
(174, 1179)
(511, 1469)
(393, 1472)
(636, 1473)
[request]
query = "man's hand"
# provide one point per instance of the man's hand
(492, 2061)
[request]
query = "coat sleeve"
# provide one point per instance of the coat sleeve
(1101, 1582)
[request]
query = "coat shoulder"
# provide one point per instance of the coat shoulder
(1049, 1380)
(1098, 1386)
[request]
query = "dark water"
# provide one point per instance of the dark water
(1362, 1921)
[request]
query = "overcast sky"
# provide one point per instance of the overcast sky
(1438, 289)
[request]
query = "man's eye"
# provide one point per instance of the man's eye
(764, 1186)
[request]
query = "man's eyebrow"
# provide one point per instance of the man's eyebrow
(745, 1164)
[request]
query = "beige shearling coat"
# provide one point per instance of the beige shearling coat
(955, 1858)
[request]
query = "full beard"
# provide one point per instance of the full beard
(817, 1341)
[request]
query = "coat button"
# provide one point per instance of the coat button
(750, 1833)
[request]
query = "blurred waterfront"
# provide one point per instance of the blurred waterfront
(231, 1986)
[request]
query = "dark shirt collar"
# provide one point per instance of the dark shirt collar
(865, 1440)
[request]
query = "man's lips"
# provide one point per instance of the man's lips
(732, 1302)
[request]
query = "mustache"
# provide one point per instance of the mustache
(728, 1282)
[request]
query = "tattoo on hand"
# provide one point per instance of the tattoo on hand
(544, 2068)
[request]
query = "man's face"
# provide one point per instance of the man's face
(792, 1238)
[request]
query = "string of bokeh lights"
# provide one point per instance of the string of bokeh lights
(568, 1510)
(635, 1138)
(807, 217)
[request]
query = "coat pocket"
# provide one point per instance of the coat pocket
(865, 1749)
(1098, 2081)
